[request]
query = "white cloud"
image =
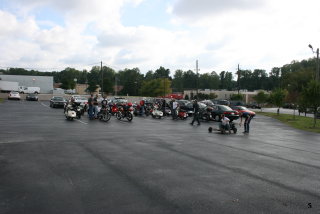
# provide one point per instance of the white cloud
(220, 34)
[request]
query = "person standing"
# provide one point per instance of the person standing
(247, 119)
(195, 112)
(174, 109)
(104, 102)
(90, 103)
(142, 107)
(95, 105)
(164, 106)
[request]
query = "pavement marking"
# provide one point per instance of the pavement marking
(45, 105)
(81, 122)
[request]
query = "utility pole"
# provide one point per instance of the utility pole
(101, 80)
(197, 83)
(317, 74)
(317, 71)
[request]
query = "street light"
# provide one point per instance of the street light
(317, 71)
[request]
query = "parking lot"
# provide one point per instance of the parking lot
(51, 165)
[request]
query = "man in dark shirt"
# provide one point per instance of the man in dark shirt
(196, 112)
(90, 103)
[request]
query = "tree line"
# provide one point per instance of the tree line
(292, 77)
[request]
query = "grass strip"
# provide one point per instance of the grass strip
(299, 122)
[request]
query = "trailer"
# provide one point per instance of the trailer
(29, 90)
(7, 86)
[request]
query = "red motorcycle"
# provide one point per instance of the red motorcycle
(114, 109)
(125, 111)
(181, 113)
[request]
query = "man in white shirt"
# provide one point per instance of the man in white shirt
(224, 125)
(174, 108)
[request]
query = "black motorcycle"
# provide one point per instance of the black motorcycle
(124, 112)
(104, 114)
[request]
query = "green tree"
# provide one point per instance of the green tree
(131, 80)
(161, 73)
(239, 97)
(177, 82)
(92, 87)
(108, 75)
(189, 80)
(156, 87)
(261, 97)
(311, 96)
(277, 97)
(209, 81)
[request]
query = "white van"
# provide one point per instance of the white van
(29, 90)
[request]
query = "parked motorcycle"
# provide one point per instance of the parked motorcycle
(71, 112)
(156, 112)
(124, 112)
(181, 113)
(114, 109)
(104, 114)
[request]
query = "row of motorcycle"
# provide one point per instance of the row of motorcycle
(121, 111)
(124, 111)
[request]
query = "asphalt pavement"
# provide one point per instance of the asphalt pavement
(51, 165)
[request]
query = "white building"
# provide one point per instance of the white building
(44, 82)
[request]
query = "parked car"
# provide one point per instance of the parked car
(218, 110)
(242, 109)
(57, 102)
(253, 105)
(14, 95)
(80, 100)
(236, 103)
(32, 97)
(207, 102)
(221, 102)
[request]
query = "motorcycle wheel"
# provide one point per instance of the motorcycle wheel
(118, 115)
(235, 130)
(105, 117)
(129, 116)
(207, 118)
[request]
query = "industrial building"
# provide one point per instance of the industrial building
(44, 82)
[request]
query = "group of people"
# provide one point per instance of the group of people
(246, 116)
(225, 121)
(93, 106)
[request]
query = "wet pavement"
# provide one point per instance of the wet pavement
(51, 165)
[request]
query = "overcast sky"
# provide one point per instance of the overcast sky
(258, 34)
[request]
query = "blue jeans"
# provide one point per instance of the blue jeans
(90, 112)
(247, 124)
